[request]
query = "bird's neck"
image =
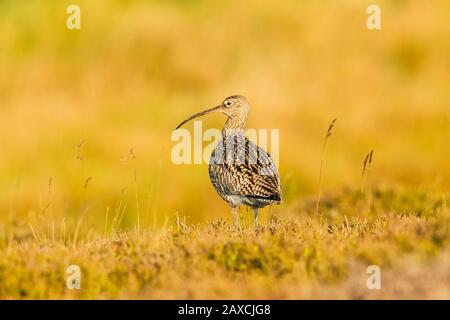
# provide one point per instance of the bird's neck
(232, 133)
(236, 123)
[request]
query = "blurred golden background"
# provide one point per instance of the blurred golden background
(137, 68)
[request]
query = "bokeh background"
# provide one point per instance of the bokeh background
(75, 102)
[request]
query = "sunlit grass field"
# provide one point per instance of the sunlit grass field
(295, 257)
(86, 170)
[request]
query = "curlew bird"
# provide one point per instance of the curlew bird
(241, 172)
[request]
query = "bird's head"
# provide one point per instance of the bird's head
(234, 107)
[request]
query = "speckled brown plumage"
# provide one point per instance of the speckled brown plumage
(246, 177)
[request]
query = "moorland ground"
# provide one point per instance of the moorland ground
(294, 254)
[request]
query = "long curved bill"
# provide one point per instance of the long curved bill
(199, 115)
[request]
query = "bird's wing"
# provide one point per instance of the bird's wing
(251, 172)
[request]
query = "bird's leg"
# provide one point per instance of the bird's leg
(255, 211)
(235, 216)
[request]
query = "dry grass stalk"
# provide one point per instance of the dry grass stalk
(136, 195)
(319, 191)
(181, 223)
(86, 182)
(79, 149)
(50, 180)
(106, 221)
(367, 165)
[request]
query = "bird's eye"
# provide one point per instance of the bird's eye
(228, 103)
